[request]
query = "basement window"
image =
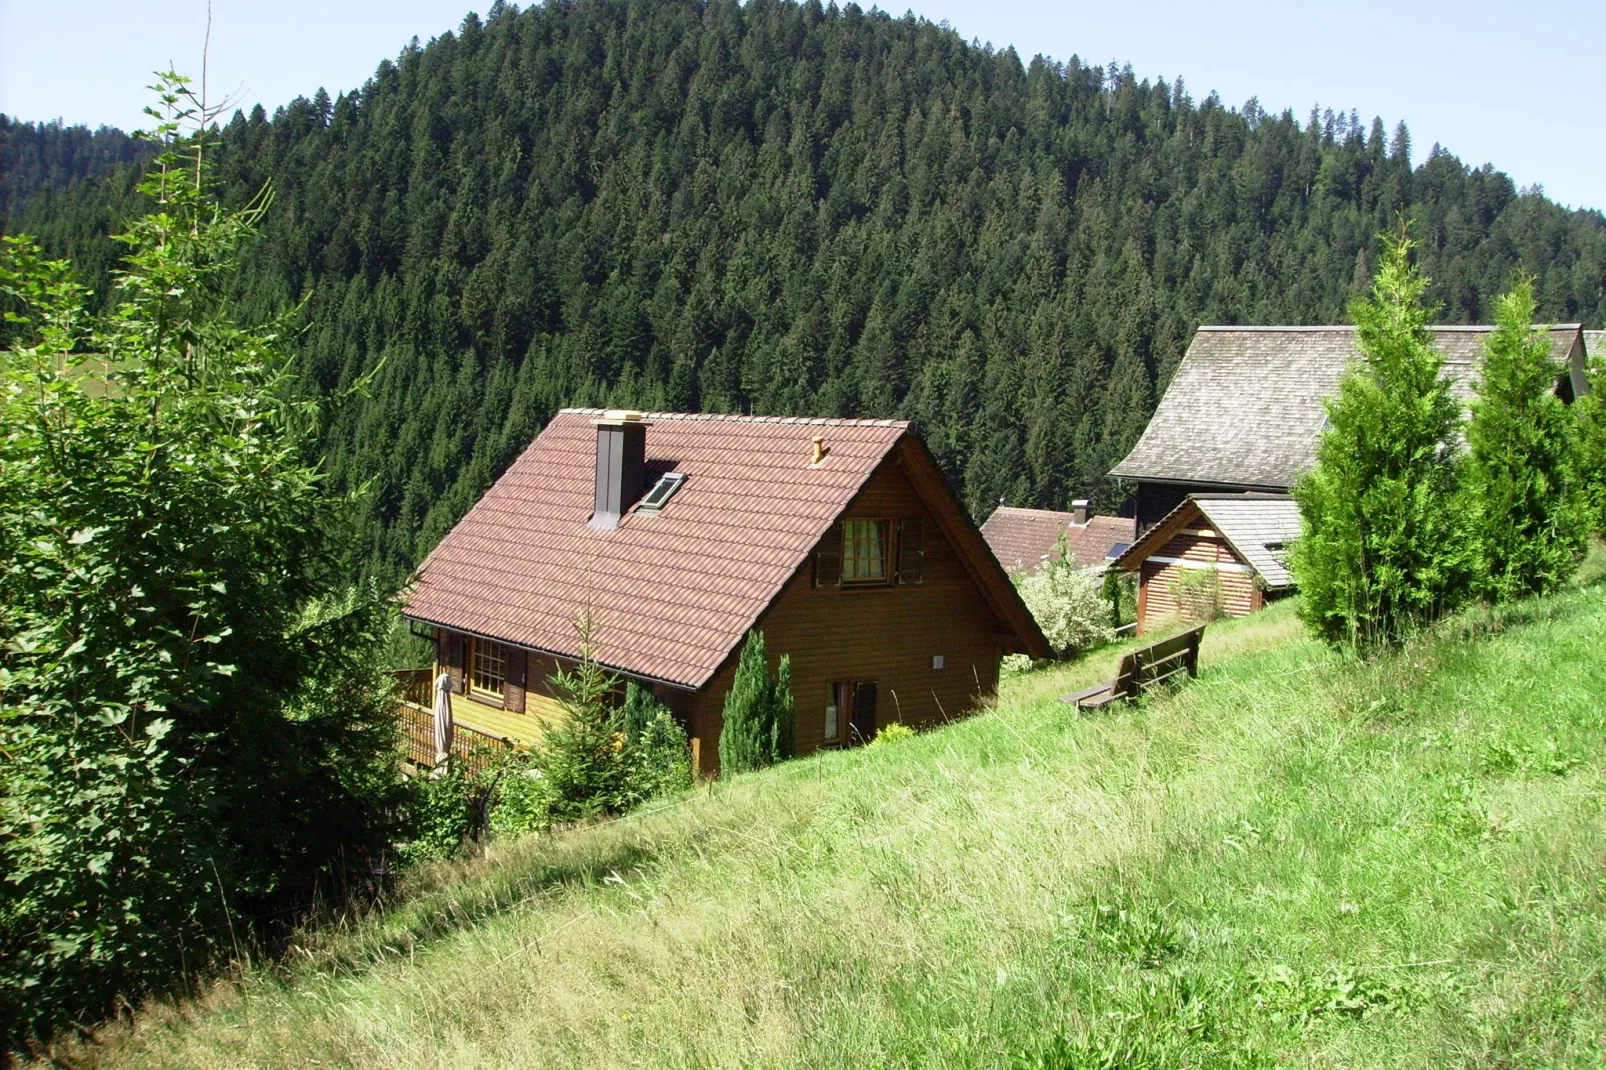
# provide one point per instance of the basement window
(661, 492)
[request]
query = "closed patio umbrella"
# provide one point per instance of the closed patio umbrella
(443, 719)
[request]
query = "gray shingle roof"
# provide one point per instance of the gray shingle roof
(1245, 405)
(1258, 527)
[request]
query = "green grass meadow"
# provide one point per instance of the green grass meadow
(1295, 860)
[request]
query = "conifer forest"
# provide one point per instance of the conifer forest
(786, 208)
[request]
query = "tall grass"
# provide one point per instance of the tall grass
(1294, 859)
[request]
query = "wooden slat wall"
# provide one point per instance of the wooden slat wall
(1159, 602)
(886, 634)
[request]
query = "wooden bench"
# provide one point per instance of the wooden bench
(1143, 669)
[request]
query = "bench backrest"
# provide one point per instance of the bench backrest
(1158, 661)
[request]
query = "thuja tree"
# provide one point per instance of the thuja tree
(192, 733)
(1591, 414)
(760, 715)
(1522, 483)
(1383, 550)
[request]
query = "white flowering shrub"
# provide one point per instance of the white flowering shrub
(1069, 604)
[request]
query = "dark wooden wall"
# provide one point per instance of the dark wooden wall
(887, 634)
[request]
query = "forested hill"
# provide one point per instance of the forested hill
(780, 208)
(44, 157)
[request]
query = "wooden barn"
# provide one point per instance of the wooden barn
(1024, 540)
(676, 534)
(1244, 409)
(1213, 555)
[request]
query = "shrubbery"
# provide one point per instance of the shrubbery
(1385, 547)
(1199, 595)
(193, 728)
(759, 728)
(1069, 603)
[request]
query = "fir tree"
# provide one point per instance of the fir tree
(1383, 550)
(759, 728)
(1521, 480)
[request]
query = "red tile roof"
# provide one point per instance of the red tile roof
(1023, 539)
(671, 594)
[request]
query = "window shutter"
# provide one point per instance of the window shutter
(828, 558)
(911, 550)
(513, 686)
(455, 645)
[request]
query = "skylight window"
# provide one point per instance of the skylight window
(661, 492)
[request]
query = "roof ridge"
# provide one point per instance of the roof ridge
(730, 417)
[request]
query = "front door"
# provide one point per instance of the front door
(863, 721)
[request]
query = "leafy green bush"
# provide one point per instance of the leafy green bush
(441, 812)
(657, 750)
(759, 728)
(1199, 595)
(1069, 604)
(194, 728)
(895, 732)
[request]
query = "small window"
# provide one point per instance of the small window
(864, 551)
(661, 492)
(1117, 550)
(487, 666)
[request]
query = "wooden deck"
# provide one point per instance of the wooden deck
(480, 729)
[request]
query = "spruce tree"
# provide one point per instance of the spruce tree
(759, 727)
(1383, 550)
(1522, 485)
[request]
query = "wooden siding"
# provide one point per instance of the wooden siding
(1157, 596)
(525, 710)
(888, 634)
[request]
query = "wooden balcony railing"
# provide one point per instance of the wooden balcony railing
(472, 750)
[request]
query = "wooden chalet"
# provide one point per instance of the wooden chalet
(1244, 409)
(1231, 546)
(675, 534)
(1024, 540)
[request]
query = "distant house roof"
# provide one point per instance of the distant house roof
(1024, 539)
(674, 592)
(1258, 527)
(1245, 405)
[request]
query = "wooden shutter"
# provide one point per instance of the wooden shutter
(863, 725)
(911, 550)
(513, 684)
(828, 558)
(454, 647)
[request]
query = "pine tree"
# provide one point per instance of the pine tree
(759, 728)
(1383, 550)
(1522, 486)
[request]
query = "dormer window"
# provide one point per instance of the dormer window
(661, 492)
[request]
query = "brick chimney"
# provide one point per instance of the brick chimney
(621, 457)
(1079, 512)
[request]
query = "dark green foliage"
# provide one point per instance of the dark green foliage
(760, 716)
(601, 760)
(195, 735)
(1591, 414)
(783, 208)
(1384, 549)
(1522, 483)
(39, 159)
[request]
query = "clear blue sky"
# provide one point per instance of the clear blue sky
(1517, 85)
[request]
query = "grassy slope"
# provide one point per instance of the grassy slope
(1291, 860)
